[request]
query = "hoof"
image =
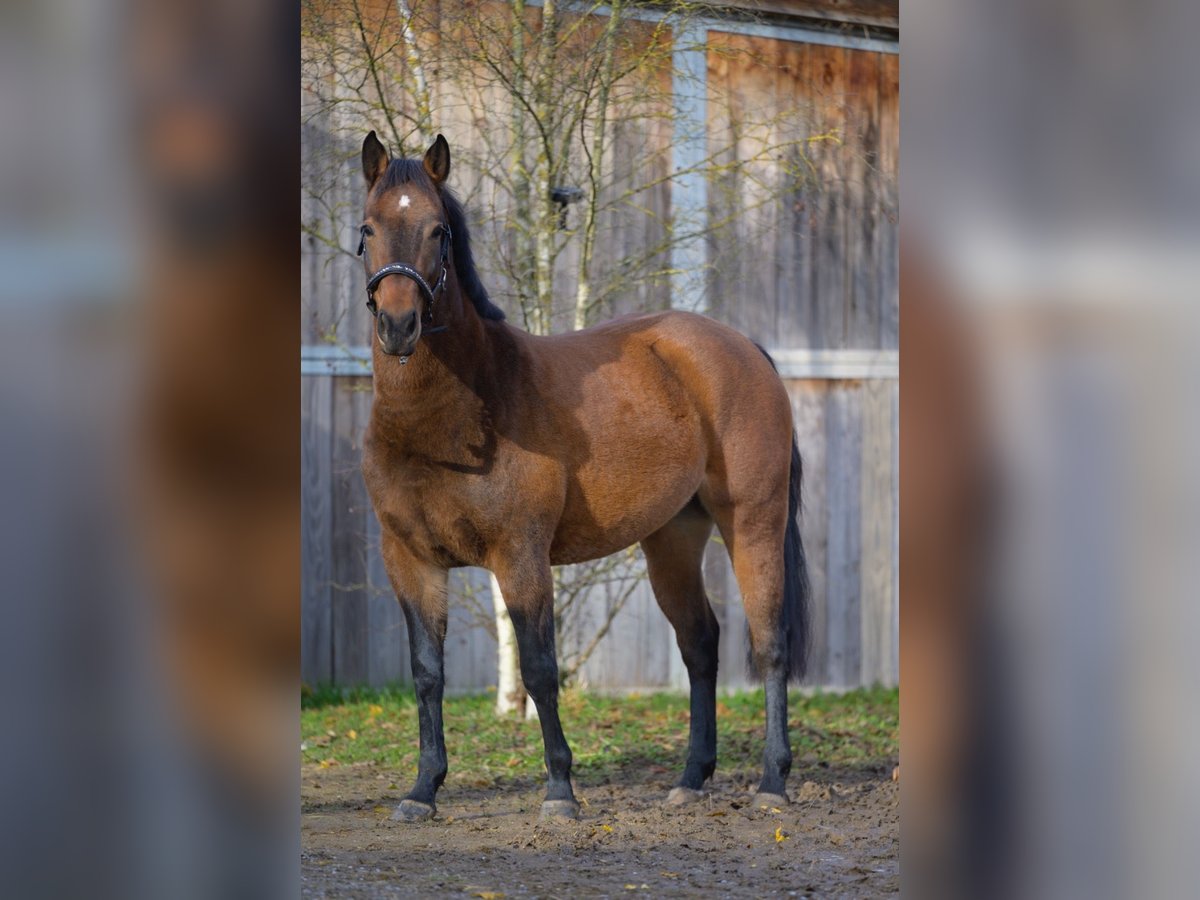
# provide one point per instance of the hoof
(413, 811)
(559, 809)
(769, 800)
(683, 796)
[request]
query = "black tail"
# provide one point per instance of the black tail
(795, 577)
(795, 573)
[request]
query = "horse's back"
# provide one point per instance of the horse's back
(729, 383)
(656, 409)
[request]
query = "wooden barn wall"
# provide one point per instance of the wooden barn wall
(806, 257)
(805, 252)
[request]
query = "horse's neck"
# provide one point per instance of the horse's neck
(443, 374)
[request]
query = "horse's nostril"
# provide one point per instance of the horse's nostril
(408, 323)
(396, 330)
(384, 325)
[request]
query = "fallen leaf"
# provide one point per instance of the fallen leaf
(375, 710)
(327, 763)
(489, 895)
(780, 837)
(607, 828)
(352, 734)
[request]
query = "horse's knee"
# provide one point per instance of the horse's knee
(429, 685)
(540, 676)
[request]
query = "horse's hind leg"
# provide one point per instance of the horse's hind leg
(753, 534)
(674, 557)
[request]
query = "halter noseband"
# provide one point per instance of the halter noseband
(397, 268)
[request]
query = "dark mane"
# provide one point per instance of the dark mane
(412, 171)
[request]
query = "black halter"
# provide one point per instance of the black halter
(430, 293)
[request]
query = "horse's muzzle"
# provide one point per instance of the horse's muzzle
(398, 335)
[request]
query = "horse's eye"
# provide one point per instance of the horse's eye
(437, 232)
(366, 231)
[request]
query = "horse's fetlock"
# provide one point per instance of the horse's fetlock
(780, 761)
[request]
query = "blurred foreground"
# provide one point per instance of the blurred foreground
(148, 387)
(1049, 492)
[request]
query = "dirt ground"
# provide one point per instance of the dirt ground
(839, 837)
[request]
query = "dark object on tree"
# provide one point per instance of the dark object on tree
(564, 196)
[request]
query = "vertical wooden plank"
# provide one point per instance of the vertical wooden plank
(348, 541)
(861, 152)
(894, 669)
(726, 600)
(844, 462)
(470, 655)
(878, 541)
(828, 275)
(808, 412)
(387, 635)
(793, 324)
(657, 638)
(315, 447)
(388, 660)
(887, 220)
(690, 188)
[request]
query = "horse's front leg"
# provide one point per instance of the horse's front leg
(528, 589)
(422, 594)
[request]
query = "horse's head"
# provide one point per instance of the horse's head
(405, 241)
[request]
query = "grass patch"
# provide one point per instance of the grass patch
(609, 736)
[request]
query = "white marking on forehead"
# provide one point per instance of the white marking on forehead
(404, 201)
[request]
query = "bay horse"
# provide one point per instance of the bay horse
(488, 446)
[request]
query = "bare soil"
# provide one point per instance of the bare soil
(840, 836)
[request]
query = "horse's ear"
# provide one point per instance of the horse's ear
(374, 159)
(437, 160)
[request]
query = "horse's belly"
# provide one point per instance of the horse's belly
(608, 508)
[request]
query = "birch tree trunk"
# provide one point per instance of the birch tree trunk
(510, 693)
(420, 89)
(510, 690)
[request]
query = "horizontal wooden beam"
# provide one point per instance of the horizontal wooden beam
(835, 365)
(331, 359)
(839, 365)
(882, 13)
(777, 27)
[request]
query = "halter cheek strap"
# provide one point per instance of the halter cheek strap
(429, 293)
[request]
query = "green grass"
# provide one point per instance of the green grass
(610, 736)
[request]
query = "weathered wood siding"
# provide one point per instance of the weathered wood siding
(805, 255)
(805, 252)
